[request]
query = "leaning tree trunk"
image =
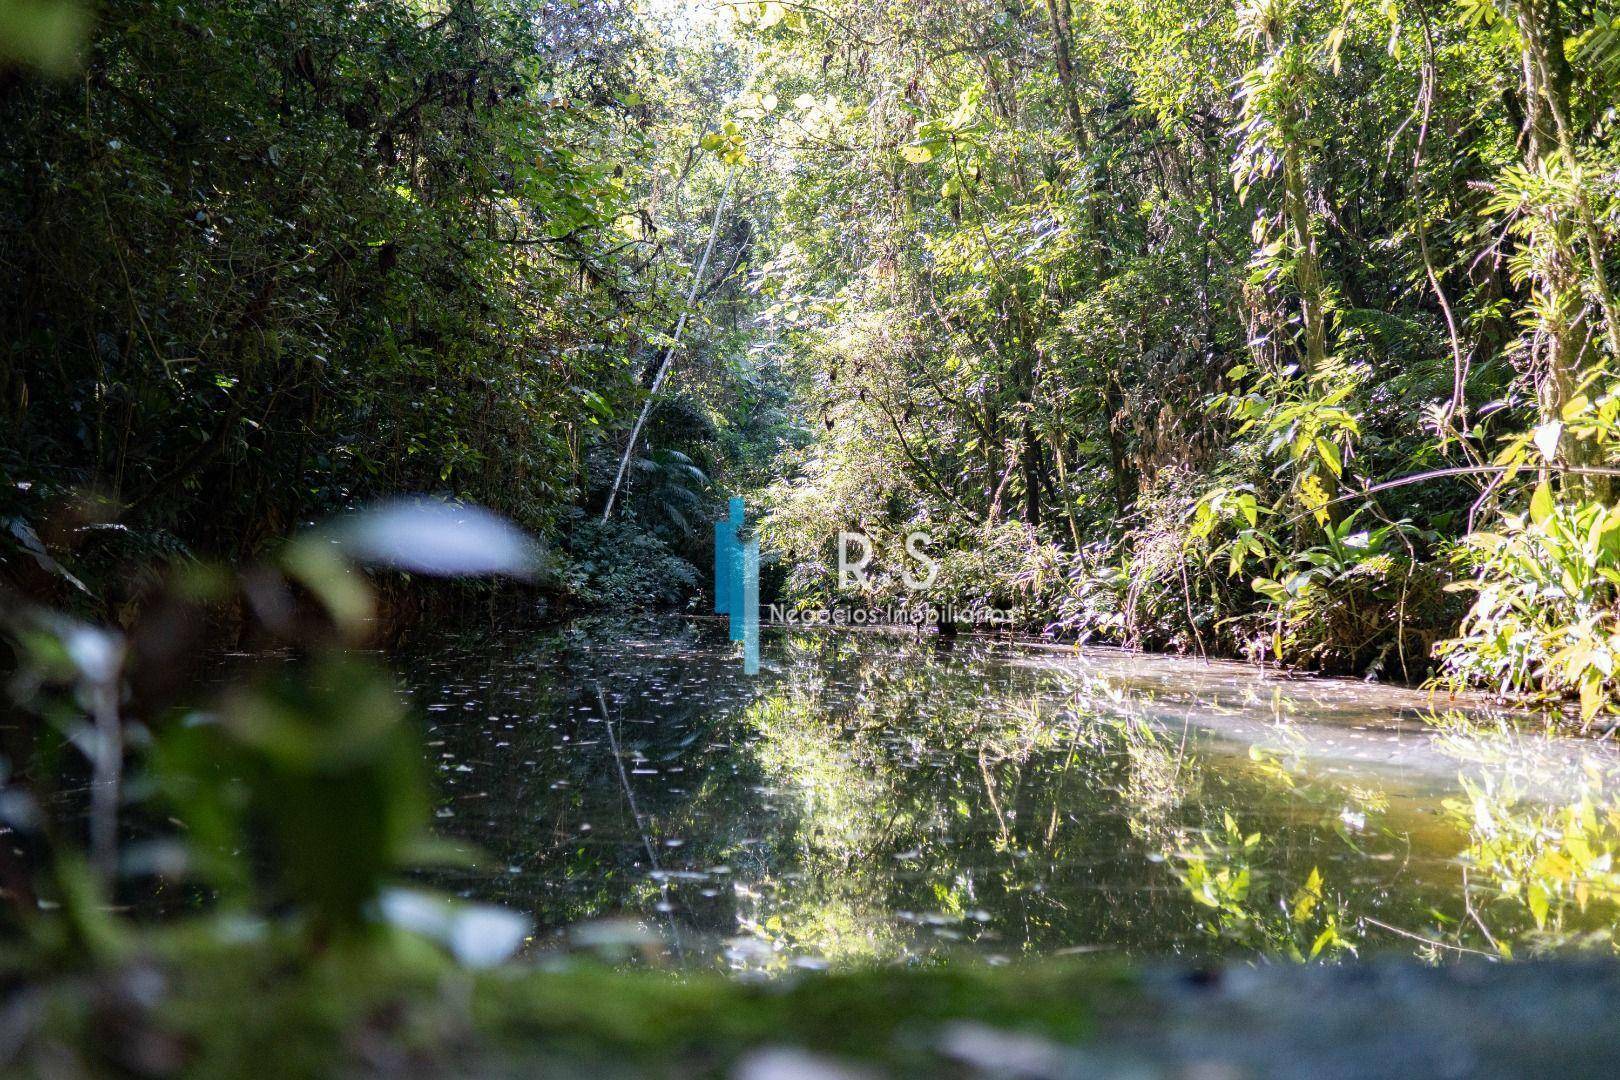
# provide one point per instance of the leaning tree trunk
(669, 353)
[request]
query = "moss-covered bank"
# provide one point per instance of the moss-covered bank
(251, 1011)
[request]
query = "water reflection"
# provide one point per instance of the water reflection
(868, 798)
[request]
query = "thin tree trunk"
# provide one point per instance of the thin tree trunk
(1307, 268)
(669, 353)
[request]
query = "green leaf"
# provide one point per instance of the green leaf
(1541, 503)
(1536, 897)
(1305, 900)
(1591, 694)
(1329, 453)
(1575, 407)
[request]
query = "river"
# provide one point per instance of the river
(873, 797)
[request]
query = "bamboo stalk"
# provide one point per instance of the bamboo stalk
(669, 353)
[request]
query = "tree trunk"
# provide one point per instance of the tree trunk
(1566, 332)
(1060, 15)
(1307, 268)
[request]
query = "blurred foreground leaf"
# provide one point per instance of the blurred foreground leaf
(440, 539)
(44, 34)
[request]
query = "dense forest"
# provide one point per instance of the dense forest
(1258, 330)
(379, 378)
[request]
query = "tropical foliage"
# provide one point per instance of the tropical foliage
(1244, 316)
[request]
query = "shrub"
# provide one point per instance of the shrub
(615, 566)
(1360, 602)
(1543, 619)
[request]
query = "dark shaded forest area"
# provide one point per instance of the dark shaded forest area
(1238, 331)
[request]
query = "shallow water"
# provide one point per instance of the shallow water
(871, 797)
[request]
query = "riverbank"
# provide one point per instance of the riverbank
(243, 1011)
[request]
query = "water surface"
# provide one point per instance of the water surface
(875, 798)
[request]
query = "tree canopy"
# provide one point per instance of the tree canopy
(1258, 329)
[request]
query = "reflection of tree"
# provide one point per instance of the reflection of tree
(918, 789)
(1532, 874)
(870, 799)
(1528, 873)
(1300, 924)
(821, 893)
(1061, 814)
(1552, 862)
(1241, 902)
